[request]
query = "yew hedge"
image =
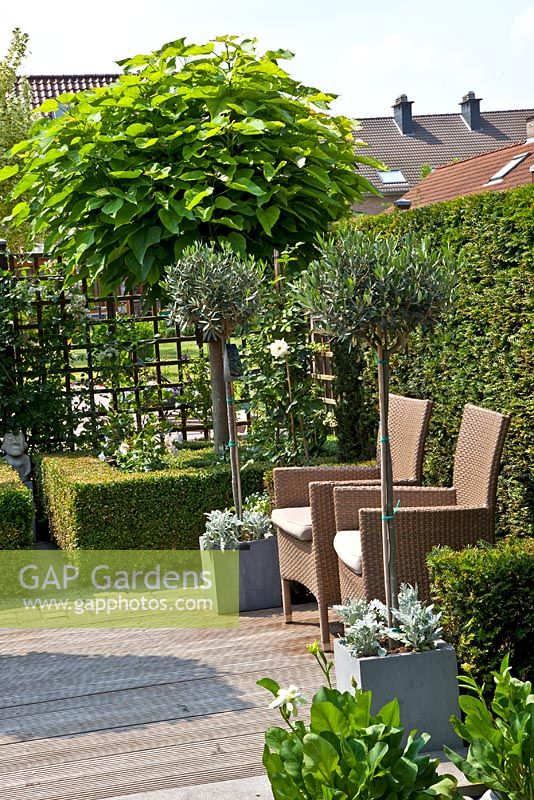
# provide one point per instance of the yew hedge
(482, 351)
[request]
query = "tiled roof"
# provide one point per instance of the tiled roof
(472, 175)
(437, 139)
(44, 87)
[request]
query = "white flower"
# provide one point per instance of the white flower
(279, 348)
(291, 698)
(124, 448)
(102, 456)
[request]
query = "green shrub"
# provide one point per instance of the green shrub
(500, 735)
(486, 596)
(482, 351)
(90, 505)
(16, 511)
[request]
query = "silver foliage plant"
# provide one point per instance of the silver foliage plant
(224, 530)
(417, 626)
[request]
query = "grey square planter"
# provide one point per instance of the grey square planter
(259, 576)
(425, 684)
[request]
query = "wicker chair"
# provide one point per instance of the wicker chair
(427, 517)
(304, 507)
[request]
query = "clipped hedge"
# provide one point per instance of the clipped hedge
(16, 511)
(487, 599)
(91, 505)
(482, 351)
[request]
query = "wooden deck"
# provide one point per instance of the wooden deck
(101, 713)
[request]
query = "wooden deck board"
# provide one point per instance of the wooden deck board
(99, 713)
(95, 714)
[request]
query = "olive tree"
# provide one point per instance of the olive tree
(216, 290)
(376, 291)
(213, 142)
(15, 123)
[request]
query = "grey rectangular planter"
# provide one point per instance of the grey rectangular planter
(425, 684)
(259, 576)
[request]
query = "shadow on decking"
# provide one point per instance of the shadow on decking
(52, 694)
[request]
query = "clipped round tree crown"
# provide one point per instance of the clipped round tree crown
(214, 289)
(213, 142)
(376, 289)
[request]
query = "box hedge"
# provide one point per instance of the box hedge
(482, 351)
(486, 596)
(16, 511)
(91, 505)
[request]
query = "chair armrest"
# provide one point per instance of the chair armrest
(418, 531)
(291, 484)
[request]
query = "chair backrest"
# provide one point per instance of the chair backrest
(408, 423)
(478, 455)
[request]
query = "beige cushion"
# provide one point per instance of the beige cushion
(348, 546)
(295, 521)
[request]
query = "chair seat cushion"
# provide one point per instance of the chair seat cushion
(294, 521)
(348, 546)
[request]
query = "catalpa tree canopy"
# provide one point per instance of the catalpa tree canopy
(213, 142)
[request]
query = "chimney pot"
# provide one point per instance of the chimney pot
(402, 114)
(530, 127)
(470, 108)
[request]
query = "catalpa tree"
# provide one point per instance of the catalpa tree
(213, 142)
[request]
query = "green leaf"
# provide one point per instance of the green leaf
(268, 217)
(169, 220)
(237, 242)
(320, 758)
(129, 174)
(270, 685)
(48, 106)
(113, 206)
(137, 128)
(390, 714)
(142, 240)
(246, 185)
(8, 171)
(198, 197)
(326, 717)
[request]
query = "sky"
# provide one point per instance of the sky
(366, 52)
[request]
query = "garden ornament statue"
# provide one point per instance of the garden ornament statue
(14, 446)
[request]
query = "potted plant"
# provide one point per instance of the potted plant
(252, 536)
(376, 291)
(409, 661)
(347, 751)
(216, 290)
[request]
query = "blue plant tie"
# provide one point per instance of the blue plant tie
(230, 400)
(232, 444)
(384, 438)
(392, 516)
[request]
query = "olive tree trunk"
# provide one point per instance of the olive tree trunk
(389, 540)
(233, 442)
(218, 394)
